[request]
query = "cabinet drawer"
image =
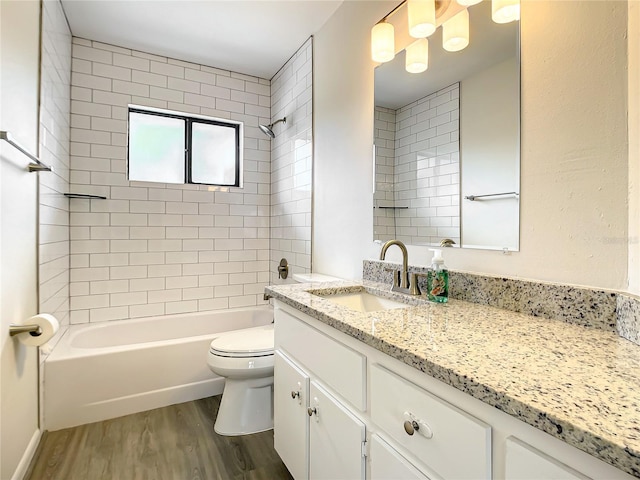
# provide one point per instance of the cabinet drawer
(459, 445)
(340, 367)
(523, 462)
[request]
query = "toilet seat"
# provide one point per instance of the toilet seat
(250, 342)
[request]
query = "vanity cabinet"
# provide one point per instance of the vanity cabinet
(314, 434)
(343, 409)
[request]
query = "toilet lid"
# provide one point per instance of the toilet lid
(249, 342)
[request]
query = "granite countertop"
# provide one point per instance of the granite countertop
(579, 384)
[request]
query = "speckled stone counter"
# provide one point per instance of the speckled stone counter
(581, 385)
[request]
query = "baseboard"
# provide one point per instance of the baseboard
(25, 461)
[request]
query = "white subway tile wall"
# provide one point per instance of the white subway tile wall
(152, 248)
(427, 168)
(384, 224)
(54, 151)
(291, 164)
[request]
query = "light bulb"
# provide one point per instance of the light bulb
(455, 32)
(417, 56)
(505, 11)
(422, 17)
(382, 42)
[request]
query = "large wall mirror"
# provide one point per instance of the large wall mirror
(447, 142)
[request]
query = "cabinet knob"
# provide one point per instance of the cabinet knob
(295, 394)
(311, 411)
(411, 426)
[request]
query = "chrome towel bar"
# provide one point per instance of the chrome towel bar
(37, 166)
(473, 197)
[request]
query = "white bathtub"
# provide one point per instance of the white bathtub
(110, 369)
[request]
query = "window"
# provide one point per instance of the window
(171, 147)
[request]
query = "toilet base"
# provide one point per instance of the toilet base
(246, 407)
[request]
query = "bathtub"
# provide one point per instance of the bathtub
(109, 369)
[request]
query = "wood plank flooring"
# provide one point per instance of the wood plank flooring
(171, 443)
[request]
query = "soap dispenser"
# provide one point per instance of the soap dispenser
(438, 279)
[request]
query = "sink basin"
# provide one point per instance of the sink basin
(364, 302)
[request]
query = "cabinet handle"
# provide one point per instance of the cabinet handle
(411, 427)
(295, 394)
(311, 411)
(412, 424)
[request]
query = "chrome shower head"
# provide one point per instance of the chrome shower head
(268, 129)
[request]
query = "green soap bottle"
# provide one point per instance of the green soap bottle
(438, 279)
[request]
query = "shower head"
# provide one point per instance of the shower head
(268, 129)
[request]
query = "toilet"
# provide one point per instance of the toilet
(245, 358)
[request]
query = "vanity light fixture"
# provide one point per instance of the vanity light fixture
(417, 56)
(382, 42)
(422, 17)
(505, 11)
(455, 32)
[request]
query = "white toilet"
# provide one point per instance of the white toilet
(245, 359)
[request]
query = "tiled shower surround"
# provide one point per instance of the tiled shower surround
(384, 223)
(426, 171)
(150, 248)
(291, 157)
(54, 151)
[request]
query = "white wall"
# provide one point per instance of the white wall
(291, 164)
(343, 139)
(574, 147)
(153, 248)
(634, 146)
(19, 80)
(490, 156)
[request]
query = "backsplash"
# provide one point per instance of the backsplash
(605, 310)
(628, 325)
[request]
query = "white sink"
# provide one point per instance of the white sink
(364, 302)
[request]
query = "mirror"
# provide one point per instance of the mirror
(447, 142)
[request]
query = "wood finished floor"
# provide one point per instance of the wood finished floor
(171, 443)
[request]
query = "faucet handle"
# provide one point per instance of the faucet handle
(414, 289)
(396, 275)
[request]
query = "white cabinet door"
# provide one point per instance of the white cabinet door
(336, 439)
(388, 464)
(290, 419)
(524, 462)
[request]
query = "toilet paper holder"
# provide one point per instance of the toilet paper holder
(34, 330)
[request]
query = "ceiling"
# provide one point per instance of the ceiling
(254, 37)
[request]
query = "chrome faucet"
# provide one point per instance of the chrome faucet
(401, 281)
(401, 284)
